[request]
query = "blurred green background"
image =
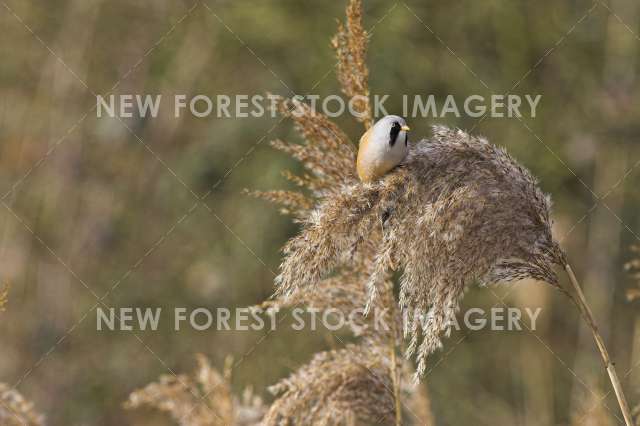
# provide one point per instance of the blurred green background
(94, 202)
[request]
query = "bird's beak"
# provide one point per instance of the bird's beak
(405, 128)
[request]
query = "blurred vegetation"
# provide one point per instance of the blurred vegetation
(107, 207)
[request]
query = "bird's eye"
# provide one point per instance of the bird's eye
(393, 134)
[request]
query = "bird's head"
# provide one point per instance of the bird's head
(382, 147)
(390, 131)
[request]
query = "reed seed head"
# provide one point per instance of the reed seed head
(458, 211)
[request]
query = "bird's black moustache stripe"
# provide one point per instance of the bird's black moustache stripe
(395, 131)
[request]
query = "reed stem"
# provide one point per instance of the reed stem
(396, 370)
(396, 385)
(587, 315)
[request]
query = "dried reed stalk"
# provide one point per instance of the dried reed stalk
(587, 315)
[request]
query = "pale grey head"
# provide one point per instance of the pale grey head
(383, 147)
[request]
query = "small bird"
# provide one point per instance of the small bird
(382, 147)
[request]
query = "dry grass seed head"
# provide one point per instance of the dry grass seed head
(350, 44)
(341, 387)
(459, 210)
(204, 400)
(326, 153)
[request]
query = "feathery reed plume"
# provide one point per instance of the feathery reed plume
(205, 400)
(358, 384)
(342, 387)
(459, 210)
(17, 411)
(345, 292)
(350, 44)
(326, 154)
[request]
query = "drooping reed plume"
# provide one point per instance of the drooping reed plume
(202, 400)
(458, 211)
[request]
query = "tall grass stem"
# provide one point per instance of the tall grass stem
(587, 315)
